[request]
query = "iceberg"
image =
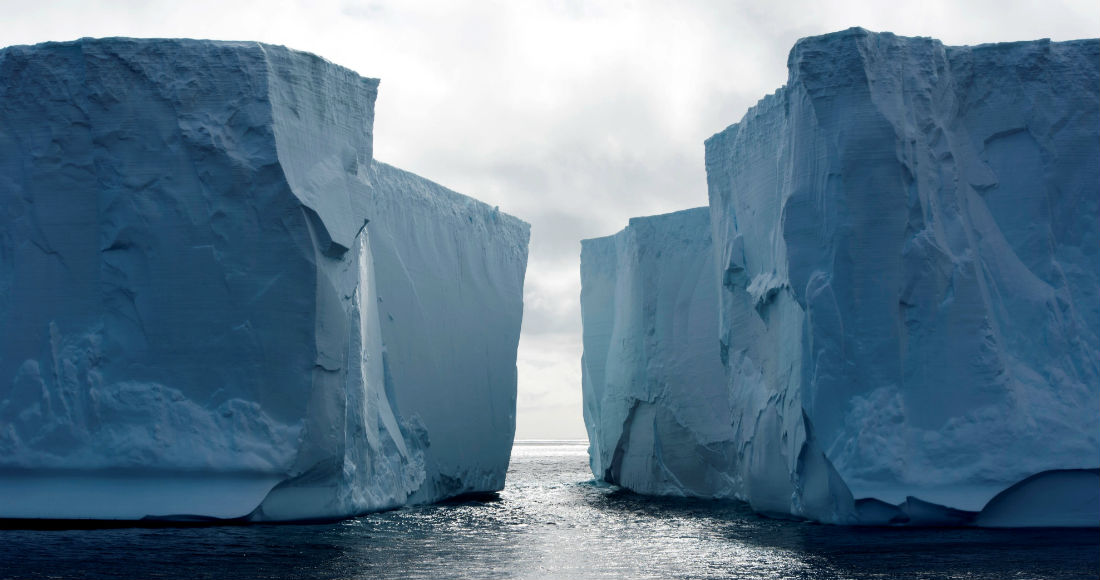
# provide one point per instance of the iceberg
(653, 389)
(1064, 498)
(661, 418)
(450, 272)
(906, 245)
(217, 305)
(924, 219)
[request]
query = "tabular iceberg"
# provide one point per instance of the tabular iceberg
(661, 419)
(907, 246)
(654, 393)
(215, 304)
(450, 273)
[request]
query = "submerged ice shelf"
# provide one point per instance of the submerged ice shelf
(907, 270)
(215, 303)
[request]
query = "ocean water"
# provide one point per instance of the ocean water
(551, 522)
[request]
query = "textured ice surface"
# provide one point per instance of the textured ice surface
(189, 291)
(909, 237)
(450, 273)
(654, 398)
(906, 239)
(660, 417)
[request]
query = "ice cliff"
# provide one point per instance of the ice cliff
(661, 418)
(906, 239)
(654, 393)
(214, 303)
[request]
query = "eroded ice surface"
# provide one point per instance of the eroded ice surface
(654, 397)
(660, 417)
(450, 297)
(913, 230)
(906, 239)
(190, 291)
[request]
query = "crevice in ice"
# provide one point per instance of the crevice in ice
(326, 244)
(612, 473)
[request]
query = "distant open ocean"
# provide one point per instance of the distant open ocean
(551, 521)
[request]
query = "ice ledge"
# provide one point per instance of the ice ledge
(1059, 498)
(164, 495)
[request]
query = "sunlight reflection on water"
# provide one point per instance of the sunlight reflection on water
(551, 521)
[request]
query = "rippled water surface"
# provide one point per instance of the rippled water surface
(549, 522)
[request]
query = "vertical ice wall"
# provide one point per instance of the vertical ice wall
(660, 416)
(191, 310)
(450, 273)
(908, 239)
(654, 398)
(908, 252)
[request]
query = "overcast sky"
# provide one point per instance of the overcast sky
(571, 115)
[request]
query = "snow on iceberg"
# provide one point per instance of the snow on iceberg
(906, 241)
(212, 300)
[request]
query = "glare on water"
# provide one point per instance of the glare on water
(552, 521)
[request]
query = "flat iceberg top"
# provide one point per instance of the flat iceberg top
(423, 193)
(689, 223)
(818, 53)
(196, 50)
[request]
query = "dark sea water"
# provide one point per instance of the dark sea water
(551, 522)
